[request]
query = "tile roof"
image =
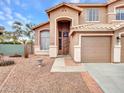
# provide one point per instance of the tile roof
(97, 27)
(111, 1)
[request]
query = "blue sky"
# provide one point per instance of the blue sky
(29, 11)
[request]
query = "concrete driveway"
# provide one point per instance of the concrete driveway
(110, 77)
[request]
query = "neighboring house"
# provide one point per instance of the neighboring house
(1, 32)
(87, 32)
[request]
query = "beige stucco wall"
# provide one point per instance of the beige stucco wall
(37, 33)
(76, 36)
(73, 40)
(111, 11)
(62, 12)
(37, 49)
(102, 15)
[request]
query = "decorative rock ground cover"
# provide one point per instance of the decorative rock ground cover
(28, 77)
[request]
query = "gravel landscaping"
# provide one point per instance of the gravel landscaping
(4, 71)
(29, 78)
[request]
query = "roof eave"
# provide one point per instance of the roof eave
(89, 30)
(62, 4)
(37, 26)
(79, 5)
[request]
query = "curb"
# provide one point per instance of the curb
(91, 83)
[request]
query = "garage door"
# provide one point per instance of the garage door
(96, 49)
(122, 49)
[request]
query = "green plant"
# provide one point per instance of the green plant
(7, 63)
(16, 55)
(10, 42)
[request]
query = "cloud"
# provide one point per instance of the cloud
(8, 2)
(7, 10)
(21, 17)
(21, 4)
(17, 2)
(10, 23)
(1, 24)
(74, 1)
(1, 13)
(8, 13)
(5, 2)
(2, 17)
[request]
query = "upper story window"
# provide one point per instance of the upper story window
(120, 14)
(92, 14)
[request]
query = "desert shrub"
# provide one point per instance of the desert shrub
(16, 55)
(7, 63)
(10, 43)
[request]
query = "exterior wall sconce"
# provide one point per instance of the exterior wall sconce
(118, 39)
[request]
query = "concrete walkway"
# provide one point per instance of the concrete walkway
(110, 77)
(59, 66)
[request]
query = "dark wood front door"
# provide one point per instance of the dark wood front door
(63, 28)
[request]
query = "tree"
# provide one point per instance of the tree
(29, 33)
(25, 32)
(1, 31)
(2, 28)
(17, 26)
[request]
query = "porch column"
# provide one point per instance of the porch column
(77, 53)
(53, 51)
(117, 49)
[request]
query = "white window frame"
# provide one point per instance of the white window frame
(121, 14)
(47, 37)
(92, 15)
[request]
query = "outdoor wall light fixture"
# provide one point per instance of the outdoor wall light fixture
(118, 39)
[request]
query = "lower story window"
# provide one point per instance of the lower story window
(45, 40)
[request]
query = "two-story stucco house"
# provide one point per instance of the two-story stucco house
(86, 32)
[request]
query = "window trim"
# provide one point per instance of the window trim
(96, 15)
(120, 14)
(46, 30)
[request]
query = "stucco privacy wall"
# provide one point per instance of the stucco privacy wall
(37, 39)
(112, 10)
(63, 12)
(102, 15)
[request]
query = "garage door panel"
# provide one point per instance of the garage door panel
(96, 49)
(122, 49)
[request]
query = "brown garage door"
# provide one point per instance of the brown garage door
(96, 49)
(122, 49)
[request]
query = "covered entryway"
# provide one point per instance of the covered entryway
(122, 48)
(63, 37)
(96, 49)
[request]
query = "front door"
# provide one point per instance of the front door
(63, 28)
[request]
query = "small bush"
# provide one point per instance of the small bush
(7, 63)
(16, 55)
(10, 43)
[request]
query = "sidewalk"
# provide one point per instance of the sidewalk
(66, 64)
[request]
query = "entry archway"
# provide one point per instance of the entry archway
(63, 41)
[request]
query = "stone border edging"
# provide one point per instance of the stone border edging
(91, 83)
